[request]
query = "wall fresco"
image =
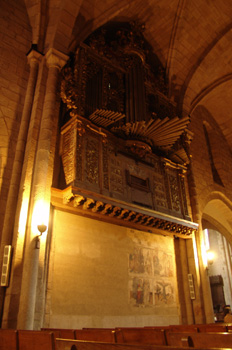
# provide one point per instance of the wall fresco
(151, 277)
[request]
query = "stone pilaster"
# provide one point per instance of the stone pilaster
(185, 272)
(34, 59)
(40, 194)
(55, 61)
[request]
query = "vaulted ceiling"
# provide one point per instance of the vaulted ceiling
(192, 38)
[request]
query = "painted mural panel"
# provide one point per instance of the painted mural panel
(151, 276)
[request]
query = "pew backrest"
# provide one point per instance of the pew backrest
(65, 344)
(98, 335)
(199, 340)
(36, 340)
(61, 332)
(183, 328)
(212, 327)
(140, 336)
(8, 339)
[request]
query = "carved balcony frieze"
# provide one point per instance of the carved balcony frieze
(123, 214)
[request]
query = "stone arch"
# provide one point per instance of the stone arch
(218, 214)
(217, 219)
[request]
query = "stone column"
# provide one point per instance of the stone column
(203, 282)
(55, 62)
(34, 58)
(40, 198)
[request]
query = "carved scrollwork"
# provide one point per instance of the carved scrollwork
(68, 198)
(107, 209)
(116, 211)
(89, 203)
(124, 214)
(100, 207)
(174, 190)
(92, 160)
(135, 217)
(78, 200)
(69, 90)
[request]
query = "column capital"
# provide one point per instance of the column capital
(55, 58)
(34, 56)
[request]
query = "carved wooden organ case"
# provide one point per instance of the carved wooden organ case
(121, 138)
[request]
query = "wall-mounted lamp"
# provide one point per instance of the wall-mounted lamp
(41, 228)
(210, 256)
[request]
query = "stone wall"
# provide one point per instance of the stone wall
(15, 34)
(103, 275)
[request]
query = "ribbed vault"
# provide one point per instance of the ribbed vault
(191, 39)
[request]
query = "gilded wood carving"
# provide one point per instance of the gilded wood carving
(124, 138)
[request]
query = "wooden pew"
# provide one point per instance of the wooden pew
(35, 340)
(199, 340)
(65, 344)
(157, 327)
(8, 339)
(95, 328)
(229, 327)
(100, 335)
(212, 327)
(140, 336)
(183, 328)
(64, 333)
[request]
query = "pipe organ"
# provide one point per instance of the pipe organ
(123, 140)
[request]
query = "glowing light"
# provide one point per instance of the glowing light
(23, 219)
(206, 238)
(203, 254)
(196, 259)
(210, 256)
(40, 215)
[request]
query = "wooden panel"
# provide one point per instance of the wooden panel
(140, 336)
(36, 340)
(199, 340)
(102, 335)
(62, 344)
(8, 339)
(61, 333)
(212, 328)
(183, 328)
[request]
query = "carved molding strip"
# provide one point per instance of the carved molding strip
(121, 212)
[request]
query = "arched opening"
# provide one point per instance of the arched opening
(216, 223)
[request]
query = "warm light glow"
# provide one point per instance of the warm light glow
(210, 256)
(204, 254)
(206, 238)
(196, 259)
(23, 219)
(40, 216)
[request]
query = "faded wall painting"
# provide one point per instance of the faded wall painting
(151, 276)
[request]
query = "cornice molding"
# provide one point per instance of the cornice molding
(122, 213)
